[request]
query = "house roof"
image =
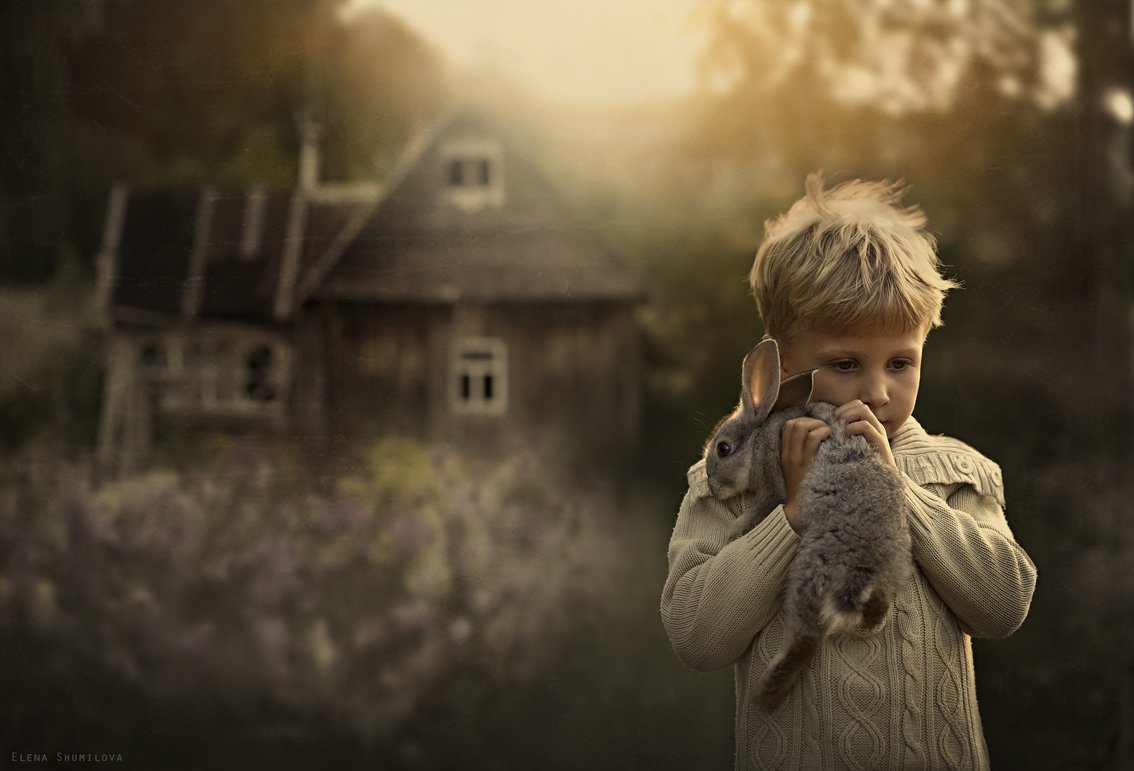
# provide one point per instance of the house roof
(256, 257)
(234, 256)
(539, 264)
(531, 247)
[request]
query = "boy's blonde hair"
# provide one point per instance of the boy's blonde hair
(848, 259)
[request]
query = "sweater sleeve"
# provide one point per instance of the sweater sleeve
(720, 594)
(963, 545)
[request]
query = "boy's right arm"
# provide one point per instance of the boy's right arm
(719, 594)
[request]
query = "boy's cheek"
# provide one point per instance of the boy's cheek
(825, 391)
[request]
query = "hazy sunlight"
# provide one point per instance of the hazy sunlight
(579, 51)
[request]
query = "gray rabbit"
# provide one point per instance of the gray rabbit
(854, 551)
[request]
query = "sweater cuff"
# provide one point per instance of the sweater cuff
(773, 541)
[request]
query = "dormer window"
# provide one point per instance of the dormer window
(474, 174)
(470, 172)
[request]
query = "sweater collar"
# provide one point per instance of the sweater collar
(910, 434)
(930, 459)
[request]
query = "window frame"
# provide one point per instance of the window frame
(472, 171)
(206, 372)
(478, 361)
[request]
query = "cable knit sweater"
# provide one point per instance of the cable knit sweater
(903, 697)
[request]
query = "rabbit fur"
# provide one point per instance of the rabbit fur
(854, 551)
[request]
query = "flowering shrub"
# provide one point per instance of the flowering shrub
(237, 584)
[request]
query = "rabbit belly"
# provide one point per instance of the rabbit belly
(854, 554)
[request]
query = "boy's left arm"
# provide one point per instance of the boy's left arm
(962, 542)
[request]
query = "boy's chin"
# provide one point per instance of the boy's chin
(892, 427)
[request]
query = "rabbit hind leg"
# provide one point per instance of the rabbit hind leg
(856, 602)
(784, 669)
(875, 608)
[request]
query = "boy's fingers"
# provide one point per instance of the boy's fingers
(795, 431)
(801, 437)
(815, 437)
(842, 412)
(802, 425)
(869, 431)
(852, 411)
(857, 411)
(863, 427)
(874, 437)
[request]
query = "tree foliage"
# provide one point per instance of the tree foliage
(201, 92)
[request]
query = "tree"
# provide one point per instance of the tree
(379, 83)
(199, 92)
(1103, 235)
(37, 162)
(792, 70)
(197, 85)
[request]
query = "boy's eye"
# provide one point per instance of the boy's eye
(843, 365)
(900, 364)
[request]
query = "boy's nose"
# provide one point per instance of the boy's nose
(874, 393)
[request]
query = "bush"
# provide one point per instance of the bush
(234, 584)
(49, 381)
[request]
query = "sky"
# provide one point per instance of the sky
(573, 51)
(604, 52)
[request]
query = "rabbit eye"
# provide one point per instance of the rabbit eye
(723, 448)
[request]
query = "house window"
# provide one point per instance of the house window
(216, 373)
(260, 374)
(153, 355)
(474, 174)
(479, 376)
(471, 171)
(456, 172)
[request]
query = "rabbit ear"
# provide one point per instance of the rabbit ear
(795, 391)
(760, 380)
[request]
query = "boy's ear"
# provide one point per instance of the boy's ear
(760, 380)
(795, 391)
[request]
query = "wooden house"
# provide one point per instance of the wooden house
(457, 301)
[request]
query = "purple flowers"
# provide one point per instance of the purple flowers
(231, 582)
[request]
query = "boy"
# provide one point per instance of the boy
(847, 283)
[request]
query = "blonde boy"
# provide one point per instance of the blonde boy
(848, 283)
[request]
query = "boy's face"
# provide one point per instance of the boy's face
(881, 370)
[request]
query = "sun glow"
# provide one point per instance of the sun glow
(579, 51)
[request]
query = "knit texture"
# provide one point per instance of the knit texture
(901, 697)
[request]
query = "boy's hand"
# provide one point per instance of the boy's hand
(862, 422)
(799, 440)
